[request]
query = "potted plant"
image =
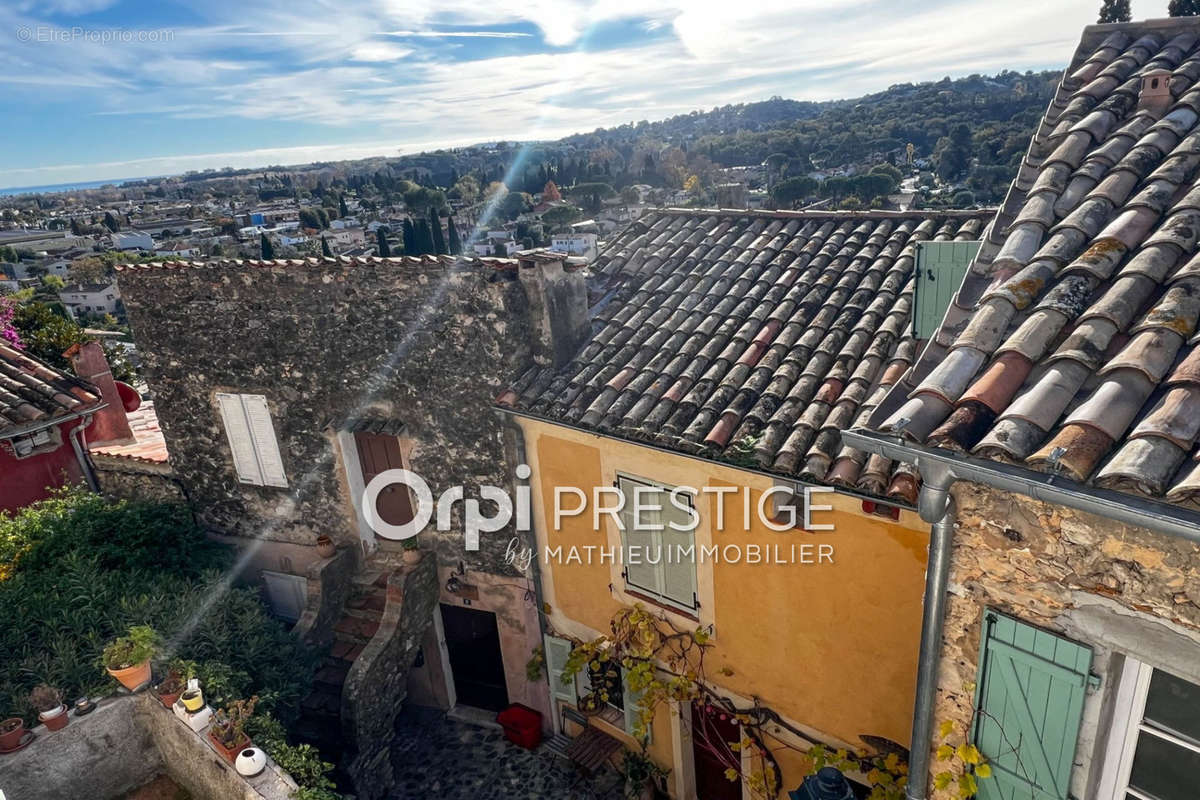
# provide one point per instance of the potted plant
(12, 731)
(128, 658)
(325, 548)
(51, 710)
(227, 732)
(412, 553)
(642, 776)
(171, 686)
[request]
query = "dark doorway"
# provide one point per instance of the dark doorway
(711, 754)
(378, 453)
(473, 642)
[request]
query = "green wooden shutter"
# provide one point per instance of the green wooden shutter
(939, 271)
(629, 702)
(1030, 694)
(639, 545)
(679, 571)
(557, 652)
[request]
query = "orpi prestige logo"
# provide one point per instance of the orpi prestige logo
(646, 507)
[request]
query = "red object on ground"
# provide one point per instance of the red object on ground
(522, 725)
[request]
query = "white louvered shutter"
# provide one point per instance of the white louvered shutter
(266, 447)
(639, 545)
(557, 652)
(241, 443)
(678, 567)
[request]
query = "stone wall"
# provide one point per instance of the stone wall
(424, 343)
(1105, 584)
(375, 688)
(122, 745)
(328, 588)
(126, 479)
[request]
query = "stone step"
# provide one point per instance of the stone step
(363, 613)
(332, 674)
(360, 630)
(345, 649)
(374, 599)
(372, 577)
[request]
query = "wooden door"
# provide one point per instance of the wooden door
(473, 644)
(712, 755)
(378, 453)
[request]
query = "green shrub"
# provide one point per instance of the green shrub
(64, 594)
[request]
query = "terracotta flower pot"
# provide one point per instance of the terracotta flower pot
(230, 754)
(168, 698)
(55, 720)
(325, 548)
(11, 731)
(133, 678)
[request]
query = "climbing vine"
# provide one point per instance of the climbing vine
(662, 664)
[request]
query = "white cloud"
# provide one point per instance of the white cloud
(379, 51)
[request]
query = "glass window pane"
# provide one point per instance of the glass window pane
(1174, 704)
(1164, 770)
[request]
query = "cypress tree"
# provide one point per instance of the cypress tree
(381, 238)
(452, 234)
(435, 225)
(343, 212)
(1184, 8)
(424, 237)
(410, 238)
(268, 251)
(1114, 11)
(325, 251)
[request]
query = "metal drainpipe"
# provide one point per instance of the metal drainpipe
(936, 506)
(85, 463)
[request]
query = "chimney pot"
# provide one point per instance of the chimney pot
(1155, 93)
(109, 424)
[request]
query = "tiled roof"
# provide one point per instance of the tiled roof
(1071, 346)
(150, 446)
(34, 394)
(749, 337)
(448, 261)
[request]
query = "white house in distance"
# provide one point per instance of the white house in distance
(178, 250)
(487, 247)
(575, 244)
(132, 240)
(91, 298)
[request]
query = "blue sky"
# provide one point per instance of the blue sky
(98, 89)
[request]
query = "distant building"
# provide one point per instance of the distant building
(178, 250)
(132, 240)
(487, 247)
(575, 244)
(731, 195)
(91, 298)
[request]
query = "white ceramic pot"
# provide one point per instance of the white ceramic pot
(250, 762)
(45, 715)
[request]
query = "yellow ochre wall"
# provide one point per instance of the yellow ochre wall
(832, 647)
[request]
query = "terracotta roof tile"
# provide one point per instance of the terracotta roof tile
(34, 394)
(149, 444)
(1077, 351)
(749, 337)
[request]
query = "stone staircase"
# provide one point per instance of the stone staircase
(359, 688)
(321, 711)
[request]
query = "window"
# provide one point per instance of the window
(256, 458)
(658, 561)
(1154, 752)
(623, 705)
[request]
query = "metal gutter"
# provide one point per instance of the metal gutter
(1056, 489)
(887, 501)
(33, 427)
(940, 469)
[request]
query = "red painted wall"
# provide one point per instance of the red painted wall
(26, 480)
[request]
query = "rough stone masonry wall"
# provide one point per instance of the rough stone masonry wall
(123, 478)
(1053, 566)
(424, 344)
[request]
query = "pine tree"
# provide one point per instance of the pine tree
(75, 231)
(110, 222)
(384, 250)
(435, 225)
(268, 251)
(1114, 11)
(1184, 8)
(410, 238)
(452, 235)
(325, 251)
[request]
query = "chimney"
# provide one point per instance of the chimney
(557, 295)
(1155, 93)
(109, 424)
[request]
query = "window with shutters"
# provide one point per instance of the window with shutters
(658, 544)
(1029, 704)
(1154, 747)
(622, 703)
(252, 442)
